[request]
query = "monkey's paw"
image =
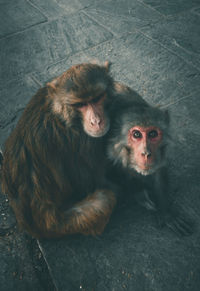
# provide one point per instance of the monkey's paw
(144, 200)
(177, 223)
(96, 228)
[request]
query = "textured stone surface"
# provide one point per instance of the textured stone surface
(128, 8)
(156, 74)
(179, 34)
(131, 254)
(170, 7)
(18, 15)
(14, 97)
(154, 48)
(47, 43)
(7, 219)
(123, 23)
(53, 9)
(22, 265)
(15, 276)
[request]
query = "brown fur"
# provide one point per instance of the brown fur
(53, 171)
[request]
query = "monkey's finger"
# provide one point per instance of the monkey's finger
(160, 221)
(175, 227)
(179, 227)
(149, 204)
(144, 200)
(187, 226)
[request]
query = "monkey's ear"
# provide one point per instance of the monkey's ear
(118, 153)
(52, 86)
(107, 65)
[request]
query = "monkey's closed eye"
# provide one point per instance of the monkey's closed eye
(153, 134)
(79, 105)
(137, 134)
(96, 99)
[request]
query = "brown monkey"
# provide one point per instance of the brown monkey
(137, 148)
(53, 168)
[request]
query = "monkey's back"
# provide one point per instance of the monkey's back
(44, 159)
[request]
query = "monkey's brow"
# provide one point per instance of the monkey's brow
(79, 104)
(92, 99)
(98, 97)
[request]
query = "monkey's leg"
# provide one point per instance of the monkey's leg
(88, 217)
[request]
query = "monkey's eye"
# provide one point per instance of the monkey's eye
(153, 134)
(137, 134)
(79, 105)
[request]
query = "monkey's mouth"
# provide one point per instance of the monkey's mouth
(146, 165)
(145, 170)
(98, 132)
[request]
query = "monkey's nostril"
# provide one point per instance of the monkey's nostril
(95, 122)
(146, 154)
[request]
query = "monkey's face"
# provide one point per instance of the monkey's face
(94, 117)
(144, 143)
(83, 90)
(139, 138)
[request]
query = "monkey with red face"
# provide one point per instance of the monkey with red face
(137, 150)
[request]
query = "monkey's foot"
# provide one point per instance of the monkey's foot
(95, 229)
(177, 223)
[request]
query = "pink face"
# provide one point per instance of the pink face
(145, 142)
(95, 121)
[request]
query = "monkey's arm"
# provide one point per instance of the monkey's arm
(166, 213)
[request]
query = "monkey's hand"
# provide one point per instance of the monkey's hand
(143, 199)
(95, 229)
(176, 222)
(91, 215)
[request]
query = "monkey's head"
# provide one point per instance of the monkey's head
(139, 138)
(84, 92)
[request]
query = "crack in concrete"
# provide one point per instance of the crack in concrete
(99, 23)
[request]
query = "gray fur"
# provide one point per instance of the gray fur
(132, 112)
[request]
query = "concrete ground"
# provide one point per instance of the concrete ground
(154, 46)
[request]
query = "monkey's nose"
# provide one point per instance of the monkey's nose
(95, 121)
(146, 154)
